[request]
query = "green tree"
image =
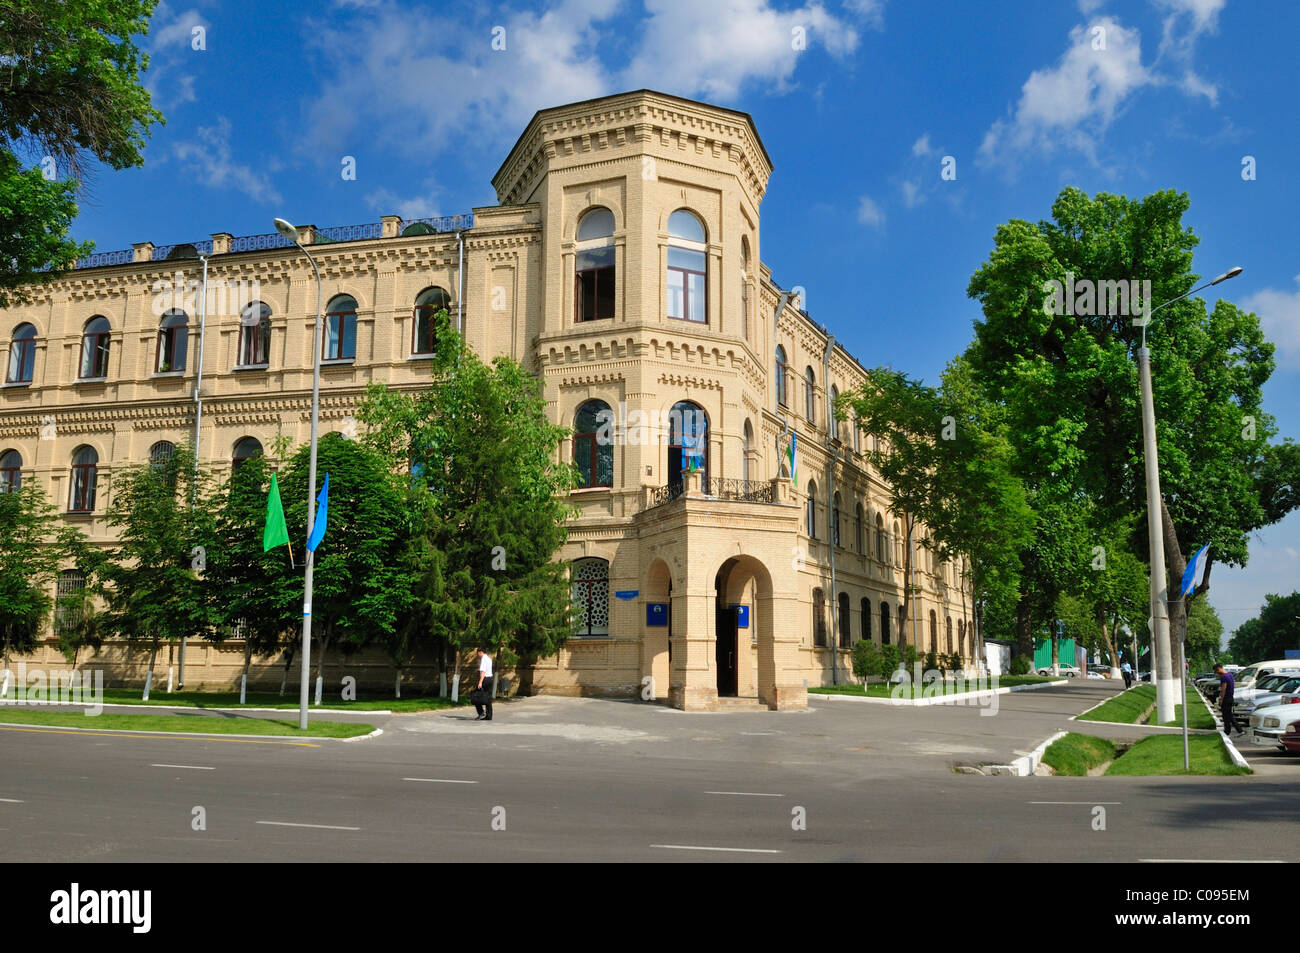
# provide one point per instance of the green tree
(1204, 635)
(70, 72)
(153, 583)
(1271, 633)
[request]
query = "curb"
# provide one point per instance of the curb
(1025, 765)
(1233, 753)
(938, 699)
(308, 739)
(1130, 724)
(374, 734)
(47, 704)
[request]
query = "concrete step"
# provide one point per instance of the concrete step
(749, 703)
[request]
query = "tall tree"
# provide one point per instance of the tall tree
(70, 76)
(1271, 633)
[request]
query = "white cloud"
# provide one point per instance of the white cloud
(208, 158)
(912, 195)
(1087, 7)
(870, 214)
(1279, 316)
(870, 12)
(171, 54)
(387, 202)
(1070, 106)
(1185, 23)
(922, 146)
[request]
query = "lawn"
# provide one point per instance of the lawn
(193, 724)
(1198, 716)
(131, 696)
(1127, 707)
(881, 690)
(1075, 754)
(1163, 754)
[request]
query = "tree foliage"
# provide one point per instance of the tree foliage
(1271, 633)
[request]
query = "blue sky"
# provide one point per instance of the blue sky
(261, 116)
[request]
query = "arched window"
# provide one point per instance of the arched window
(845, 636)
(22, 354)
(688, 297)
(340, 343)
(173, 341)
(94, 348)
(750, 461)
(835, 519)
(961, 637)
(593, 444)
(11, 471)
(810, 395)
(427, 304)
(833, 424)
(68, 593)
(866, 618)
(948, 626)
(246, 449)
(934, 632)
(812, 509)
(782, 377)
(881, 548)
(884, 622)
(744, 287)
(161, 452)
(255, 335)
(857, 435)
(819, 618)
(85, 473)
(594, 281)
(898, 545)
(590, 597)
(688, 441)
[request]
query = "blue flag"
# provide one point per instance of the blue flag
(322, 516)
(1195, 568)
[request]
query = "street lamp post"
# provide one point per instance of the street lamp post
(291, 233)
(1162, 670)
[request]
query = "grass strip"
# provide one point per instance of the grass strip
(131, 696)
(1163, 754)
(925, 689)
(1075, 754)
(1126, 707)
(1198, 716)
(190, 724)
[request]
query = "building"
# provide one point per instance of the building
(623, 265)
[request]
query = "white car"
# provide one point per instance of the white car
(1069, 671)
(1265, 694)
(1267, 725)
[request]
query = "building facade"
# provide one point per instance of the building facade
(623, 266)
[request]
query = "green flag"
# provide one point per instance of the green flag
(276, 533)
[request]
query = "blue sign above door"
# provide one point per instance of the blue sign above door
(656, 613)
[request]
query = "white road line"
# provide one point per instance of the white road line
(1074, 802)
(187, 767)
(745, 793)
(323, 827)
(1201, 860)
(12, 800)
(731, 850)
(440, 780)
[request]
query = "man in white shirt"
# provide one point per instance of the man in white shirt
(484, 697)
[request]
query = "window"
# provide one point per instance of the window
(835, 519)
(750, 463)
(255, 335)
(810, 395)
(22, 354)
(857, 435)
(934, 632)
(819, 618)
(688, 441)
(832, 425)
(845, 637)
(173, 341)
(782, 377)
(427, 304)
(744, 288)
(812, 510)
(246, 449)
(687, 274)
(11, 471)
(590, 599)
(68, 593)
(860, 535)
(85, 472)
(94, 348)
(884, 623)
(866, 618)
(948, 625)
(898, 545)
(961, 637)
(340, 342)
(161, 452)
(594, 278)
(880, 539)
(593, 444)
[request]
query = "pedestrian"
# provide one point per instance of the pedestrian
(1127, 670)
(483, 693)
(1226, 685)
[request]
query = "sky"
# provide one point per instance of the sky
(861, 104)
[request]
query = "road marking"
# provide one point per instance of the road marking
(440, 780)
(154, 736)
(323, 827)
(1197, 860)
(12, 800)
(731, 850)
(744, 793)
(1089, 803)
(759, 732)
(187, 767)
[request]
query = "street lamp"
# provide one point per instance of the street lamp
(291, 233)
(1163, 671)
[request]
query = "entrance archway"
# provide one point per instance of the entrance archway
(743, 649)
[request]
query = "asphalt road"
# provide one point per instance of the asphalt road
(587, 779)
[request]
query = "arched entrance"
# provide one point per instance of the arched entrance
(743, 645)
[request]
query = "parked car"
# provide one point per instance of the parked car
(1265, 694)
(1069, 671)
(1247, 676)
(1101, 671)
(1268, 725)
(1291, 737)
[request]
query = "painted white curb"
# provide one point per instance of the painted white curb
(46, 703)
(937, 699)
(305, 739)
(1233, 753)
(1026, 765)
(374, 734)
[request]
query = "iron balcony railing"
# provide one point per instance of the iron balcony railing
(739, 491)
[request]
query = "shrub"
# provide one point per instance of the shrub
(888, 660)
(931, 662)
(1020, 665)
(866, 659)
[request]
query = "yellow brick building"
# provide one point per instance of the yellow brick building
(623, 265)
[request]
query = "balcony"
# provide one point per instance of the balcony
(695, 486)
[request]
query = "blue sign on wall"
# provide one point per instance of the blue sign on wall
(742, 616)
(627, 593)
(656, 613)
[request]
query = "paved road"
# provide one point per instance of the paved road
(587, 779)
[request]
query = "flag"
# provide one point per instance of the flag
(794, 473)
(1195, 567)
(322, 516)
(276, 533)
